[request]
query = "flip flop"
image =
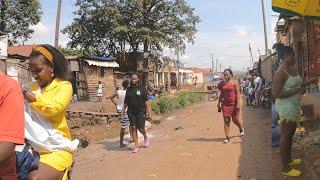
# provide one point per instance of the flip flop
(295, 162)
(292, 173)
(146, 143)
(135, 150)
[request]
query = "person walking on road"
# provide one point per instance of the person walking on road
(121, 94)
(288, 88)
(229, 103)
(249, 92)
(136, 100)
(257, 90)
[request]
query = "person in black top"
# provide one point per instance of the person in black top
(138, 110)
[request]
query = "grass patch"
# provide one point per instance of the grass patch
(165, 104)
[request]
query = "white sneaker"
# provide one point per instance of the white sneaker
(226, 140)
(242, 132)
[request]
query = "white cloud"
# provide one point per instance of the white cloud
(43, 33)
(240, 30)
(231, 50)
(185, 56)
(40, 29)
(64, 41)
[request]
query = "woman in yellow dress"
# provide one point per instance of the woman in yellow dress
(50, 96)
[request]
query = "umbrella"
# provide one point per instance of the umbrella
(305, 8)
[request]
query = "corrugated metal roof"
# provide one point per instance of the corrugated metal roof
(20, 50)
(111, 64)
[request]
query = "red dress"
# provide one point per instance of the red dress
(229, 101)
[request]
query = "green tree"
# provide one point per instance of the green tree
(71, 52)
(107, 26)
(16, 18)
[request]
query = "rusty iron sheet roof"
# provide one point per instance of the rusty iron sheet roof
(111, 64)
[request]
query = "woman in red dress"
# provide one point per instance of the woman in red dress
(229, 103)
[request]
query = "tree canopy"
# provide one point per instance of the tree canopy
(114, 26)
(16, 18)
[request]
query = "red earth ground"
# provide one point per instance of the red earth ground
(194, 151)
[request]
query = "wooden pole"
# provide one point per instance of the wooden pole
(56, 38)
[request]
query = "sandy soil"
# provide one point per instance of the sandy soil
(194, 151)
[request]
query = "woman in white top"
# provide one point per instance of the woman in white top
(121, 94)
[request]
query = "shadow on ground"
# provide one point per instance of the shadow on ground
(203, 139)
(113, 146)
(256, 152)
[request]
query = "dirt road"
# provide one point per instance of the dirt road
(194, 151)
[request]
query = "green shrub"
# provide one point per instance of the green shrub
(165, 104)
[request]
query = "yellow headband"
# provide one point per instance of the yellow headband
(44, 52)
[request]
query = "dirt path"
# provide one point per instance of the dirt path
(194, 152)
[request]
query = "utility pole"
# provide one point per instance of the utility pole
(251, 54)
(217, 65)
(56, 38)
(178, 61)
(212, 65)
(265, 28)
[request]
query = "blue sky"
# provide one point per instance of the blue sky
(226, 28)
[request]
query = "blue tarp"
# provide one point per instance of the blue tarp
(100, 58)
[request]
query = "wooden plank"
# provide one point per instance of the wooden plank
(92, 113)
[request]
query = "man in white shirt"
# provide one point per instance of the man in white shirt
(257, 90)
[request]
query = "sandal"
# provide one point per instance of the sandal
(295, 162)
(146, 143)
(135, 150)
(292, 173)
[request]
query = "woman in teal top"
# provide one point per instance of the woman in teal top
(288, 88)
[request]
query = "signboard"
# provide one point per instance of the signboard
(3, 46)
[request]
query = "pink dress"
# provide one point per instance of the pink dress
(229, 100)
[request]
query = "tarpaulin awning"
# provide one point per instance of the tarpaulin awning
(111, 64)
(305, 8)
